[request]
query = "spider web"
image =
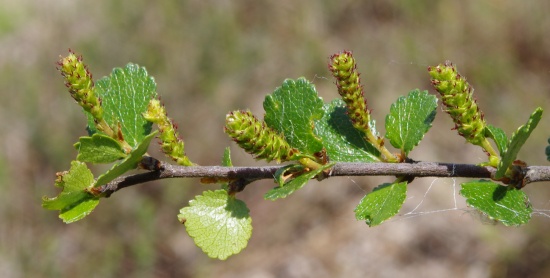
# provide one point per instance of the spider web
(433, 199)
(442, 196)
(438, 189)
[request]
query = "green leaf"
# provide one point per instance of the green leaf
(74, 202)
(409, 119)
(342, 141)
(292, 110)
(218, 223)
(294, 184)
(125, 95)
(548, 151)
(226, 159)
(516, 142)
(498, 136)
(73, 206)
(129, 163)
(99, 148)
(279, 176)
(505, 204)
(382, 203)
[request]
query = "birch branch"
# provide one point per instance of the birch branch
(245, 175)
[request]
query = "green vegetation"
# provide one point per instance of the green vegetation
(218, 222)
(212, 59)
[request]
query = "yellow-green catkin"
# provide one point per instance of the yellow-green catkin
(457, 96)
(170, 142)
(81, 86)
(344, 69)
(256, 138)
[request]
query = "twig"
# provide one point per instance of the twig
(162, 170)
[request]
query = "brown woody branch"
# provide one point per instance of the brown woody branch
(245, 175)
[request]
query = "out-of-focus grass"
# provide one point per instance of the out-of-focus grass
(210, 57)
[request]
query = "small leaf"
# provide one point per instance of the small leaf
(73, 206)
(548, 151)
(218, 223)
(74, 202)
(226, 159)
(382, 203)
(279, 176)
(409, 119)
(516, 142)
(505, 204)
(99, 148)
(498, 136)
(294, 184)
(343, 142)
(292, 110)
(129, 163)
(125, 95)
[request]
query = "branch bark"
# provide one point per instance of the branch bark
(162, 170)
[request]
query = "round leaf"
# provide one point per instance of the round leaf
(382, 203)
(505, 204)
(74, 202)
(409, 119)
(218, 223)
(125, 95)
(292, 110)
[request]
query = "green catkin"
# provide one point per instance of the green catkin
(81, 86)
(457, 96)
(78, 80)
(170, 143)
(257, 138)
(344, 69)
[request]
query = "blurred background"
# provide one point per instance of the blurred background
(211, 57)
